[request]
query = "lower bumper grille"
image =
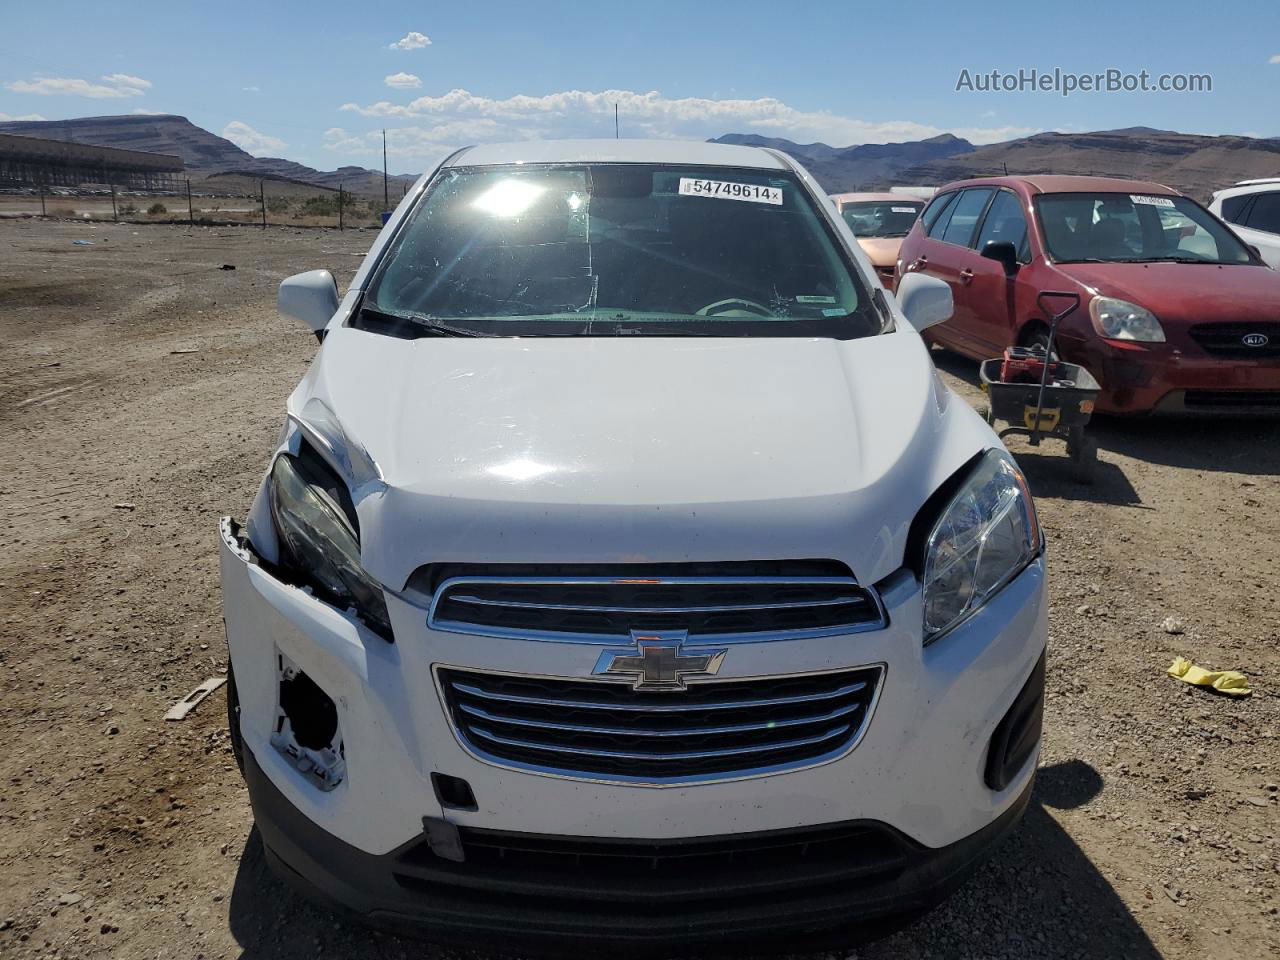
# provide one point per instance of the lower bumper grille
(709, 730)
(1229, 399)
(677, 874)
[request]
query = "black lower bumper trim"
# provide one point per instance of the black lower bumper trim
(750, 886)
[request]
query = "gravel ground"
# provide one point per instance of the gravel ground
(141, 389)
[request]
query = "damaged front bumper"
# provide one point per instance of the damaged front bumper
(345, 789)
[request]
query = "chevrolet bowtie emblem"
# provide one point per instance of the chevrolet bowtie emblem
(659, 661)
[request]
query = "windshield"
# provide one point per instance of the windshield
(880, 218)
(618, 250)
(1134, 228)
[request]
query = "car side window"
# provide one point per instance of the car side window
(1265, 214)
(1233, 208)
(937, 206)
(964, 216)
(1005, 223)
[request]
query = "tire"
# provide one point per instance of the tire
(1038, 336)
(1084, 459)
(233, 719)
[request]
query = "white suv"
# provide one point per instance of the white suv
(1252, 207)
(625, 570)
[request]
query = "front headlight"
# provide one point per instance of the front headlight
(319, 543)
(1122, 320)
(986, 536)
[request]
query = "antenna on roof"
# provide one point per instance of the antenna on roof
(617, 135)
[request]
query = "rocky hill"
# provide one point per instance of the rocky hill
(868, 166)
(205, 154)
(1195, 164)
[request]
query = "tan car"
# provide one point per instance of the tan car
(879, 221)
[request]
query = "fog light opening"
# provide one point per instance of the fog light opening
(306, 730)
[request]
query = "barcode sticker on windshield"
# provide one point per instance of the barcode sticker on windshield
(1151, 201)
(903, 209)
(690, 187)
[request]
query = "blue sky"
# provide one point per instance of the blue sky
(315, 82)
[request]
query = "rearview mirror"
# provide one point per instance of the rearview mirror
(311, 297)
(925, 300)
(1002, 252)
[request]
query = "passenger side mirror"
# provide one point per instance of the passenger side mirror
(925, 300)
(1002, 252)
(1254, 250)
(311, 297)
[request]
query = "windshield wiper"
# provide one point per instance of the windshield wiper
(423, 324)
(1171, 258)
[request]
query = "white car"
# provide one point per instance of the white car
(625, 570)
(1252, 207)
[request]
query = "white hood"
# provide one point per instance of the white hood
(634, 449)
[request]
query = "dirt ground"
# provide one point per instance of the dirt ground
(141, 389)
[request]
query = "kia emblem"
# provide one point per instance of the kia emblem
(1255, 339)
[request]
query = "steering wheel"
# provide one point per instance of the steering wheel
(735, 307)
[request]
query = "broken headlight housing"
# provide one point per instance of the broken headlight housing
(319, 540)
(987, 534)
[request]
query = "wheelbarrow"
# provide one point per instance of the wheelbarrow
(1058, 404)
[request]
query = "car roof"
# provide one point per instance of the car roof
(891, 197)
(1057, 183)
(688, 152)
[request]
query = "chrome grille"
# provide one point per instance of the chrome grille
(602, 608)
(611, 731)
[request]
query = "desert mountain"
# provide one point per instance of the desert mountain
(1195, 164)
(206, 155)
(868, 166)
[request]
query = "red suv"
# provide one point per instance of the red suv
(1176, 313)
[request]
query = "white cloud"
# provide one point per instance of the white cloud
(247, 138)
(144, 112)
(251, 89)
(1275, 58)
(112, 85)
(413, 40)
(21, 116)
(402, 81)
(590, 113)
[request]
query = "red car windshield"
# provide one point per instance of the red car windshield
(1134, 228)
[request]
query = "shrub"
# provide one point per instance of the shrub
(157, 208)
(277, 204)
(128, 209)
(321, 206)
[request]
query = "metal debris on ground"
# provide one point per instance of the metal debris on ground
(227, 266)
(188, 703)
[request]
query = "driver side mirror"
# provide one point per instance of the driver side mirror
(1004, 253)
(311, 297)
(1254, 250)
(925, 300)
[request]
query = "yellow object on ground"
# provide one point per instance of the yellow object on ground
(1231, 682)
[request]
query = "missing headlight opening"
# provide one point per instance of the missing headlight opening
(306, 728)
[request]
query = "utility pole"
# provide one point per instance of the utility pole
(386, 198)
(262, 200)
(191, 213)
(340, 199)
(114, 214)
